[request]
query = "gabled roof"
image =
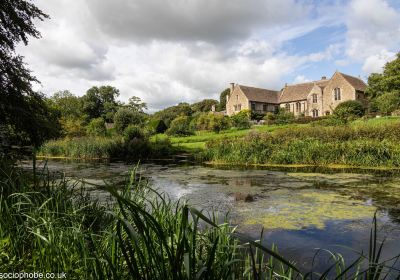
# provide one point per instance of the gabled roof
(295, 92)
(260, 94)
(357, 83)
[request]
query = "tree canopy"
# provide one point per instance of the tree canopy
(23, 112)
(204, 105)
(222, 99)
(100, 102)
(388, 81)
(136, 104)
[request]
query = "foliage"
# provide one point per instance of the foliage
(143, 235)
(157, 126)
(100, 102)
(170, 113)
(68, 105)
(204, 105)
(331, 120)
(125, 117)
(256, 116)
(241, 120)
(388, 102)
(222, 99)
(180, 126)
(212, 122)
(96, 127)
(387, 82)
(28, 119)
(136, 104)
(349, 110)
(72, 128)
(280, 118)
(132, 132)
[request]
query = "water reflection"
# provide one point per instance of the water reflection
(301, 208)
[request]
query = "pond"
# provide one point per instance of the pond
(300, 210)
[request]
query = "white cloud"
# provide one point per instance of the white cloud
(375, 63)
(373, 33)
(300, 79)
(174, 51)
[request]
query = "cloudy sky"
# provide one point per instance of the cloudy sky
(170, 51)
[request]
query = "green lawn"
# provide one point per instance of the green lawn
(198, 141)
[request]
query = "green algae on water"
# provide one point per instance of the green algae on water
(307, 208)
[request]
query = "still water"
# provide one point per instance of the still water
(300, 210)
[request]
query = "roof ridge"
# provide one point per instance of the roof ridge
(258, 88)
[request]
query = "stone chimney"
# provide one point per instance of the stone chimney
(323, 78)
(232, 87)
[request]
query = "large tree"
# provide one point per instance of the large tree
(100, 102)
(204, 105)
(68, 105)
(24, 114)
(388, 81)
(136, 104)
(222, 99)
(170, 113)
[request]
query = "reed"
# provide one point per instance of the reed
(52, 225)
(360, 145)
(106, 148)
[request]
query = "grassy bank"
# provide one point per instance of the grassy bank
(107, 148)
(51, 226)
(197, 142)
(356, 144)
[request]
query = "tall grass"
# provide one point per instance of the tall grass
(357, 145)
(140, 234)
(106, 148)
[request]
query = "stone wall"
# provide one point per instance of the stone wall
(236, 102)
(347, 92)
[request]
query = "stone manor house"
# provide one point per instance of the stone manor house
(315, 99)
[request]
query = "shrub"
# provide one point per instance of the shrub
(214, 122)
(305, 119)
(269, 118)
(157, 126)
(72, 127)
(180, 126)
(96, 127)
(219, 122)
(124, 117)
(349, 110)
(257, 116)
(133, 132)
(388, 102)
(284, 117)
(202, 122)
(241, 120)
(328, 121)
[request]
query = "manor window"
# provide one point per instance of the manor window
(239, 107)
(253, 106)
(314, 98)
(287, 107)
(315, 113)
(298, 107)
(337, 94)
(265, 107)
